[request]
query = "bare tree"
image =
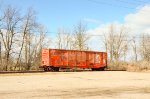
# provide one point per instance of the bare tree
(59, 40)
(64, 39)
(35, 56)
(145, 47)
(105, 41)
(22, 39)
(109, 42)
(116, 43)
(29, 29)
(0, 52)
(134, 47)
(77, 40)
(81, 37)
(0, 42)
(28, 24)
(10, 22)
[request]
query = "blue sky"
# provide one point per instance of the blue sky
(66, 13)
(97, 14)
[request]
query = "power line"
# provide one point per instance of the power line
(111, 4)
(141, 1)
(131, 3)
(116, 5)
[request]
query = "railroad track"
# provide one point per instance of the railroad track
(11, 72)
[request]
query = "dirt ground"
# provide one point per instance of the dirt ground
(76, 85)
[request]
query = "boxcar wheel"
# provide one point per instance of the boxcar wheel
(49, 69)
(101, 69)
(98, 69)
(55, 68)
(93, 69)
(45, 69)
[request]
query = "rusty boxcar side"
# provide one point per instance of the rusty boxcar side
(53, 59)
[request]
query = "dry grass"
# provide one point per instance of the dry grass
(139, 66)
(117, 66)
(133, 67)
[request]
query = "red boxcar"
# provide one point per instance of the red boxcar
(53, 59)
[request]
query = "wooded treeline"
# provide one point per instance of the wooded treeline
(22, 37)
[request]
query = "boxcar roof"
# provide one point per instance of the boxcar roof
(74, 50)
